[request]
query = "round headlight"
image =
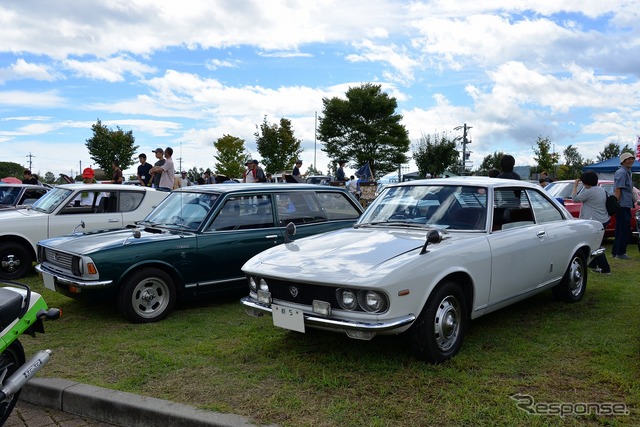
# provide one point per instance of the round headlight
(252, 284)
(348, 299)
(263, 285)
(372, 301)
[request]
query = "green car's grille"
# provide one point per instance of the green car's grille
(59, 259)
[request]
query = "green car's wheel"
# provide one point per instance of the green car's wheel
(148, 295)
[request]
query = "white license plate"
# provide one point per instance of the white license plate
(49, 281)
(288, 318)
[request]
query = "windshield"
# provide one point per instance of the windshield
(182, 210)
(9, 195)
(441, 206)
(50, 201)
(563, 190)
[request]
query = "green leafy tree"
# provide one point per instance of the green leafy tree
(572, 167)
(364, 127)
(543, 156)
(492, 161)
(612, 150)
(277, 145)
(311, 170)
(49, 178)
(434, 154)
(11, 169)
(107, 145)
(231, 156)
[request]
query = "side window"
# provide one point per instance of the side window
(511, 209)
(31, 196)
(129, 200)
(244, 213)
(300, 207)
(545, 210)
(337, 206)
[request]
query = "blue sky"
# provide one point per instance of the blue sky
(184, 73)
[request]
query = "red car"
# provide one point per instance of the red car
(564, 189)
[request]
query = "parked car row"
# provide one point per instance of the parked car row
(424, 259)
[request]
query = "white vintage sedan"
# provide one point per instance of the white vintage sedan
(425, 257)
(66, 209)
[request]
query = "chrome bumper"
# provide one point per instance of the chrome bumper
(83, 284)
(343, 325)
(597, 252)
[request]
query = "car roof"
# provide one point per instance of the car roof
(104, 187)
(242, 187)
(484, 181)
(5, 184)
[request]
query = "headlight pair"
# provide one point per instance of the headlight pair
(367, 300)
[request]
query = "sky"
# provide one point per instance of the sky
(185, 73)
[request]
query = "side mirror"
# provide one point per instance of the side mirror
(290, 231)
(433, 236)
(79, 225)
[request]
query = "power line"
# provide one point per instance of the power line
(30, 156)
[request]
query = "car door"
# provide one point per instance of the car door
(519, 246)
(100, 213)
(243, 226)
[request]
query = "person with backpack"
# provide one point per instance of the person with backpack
(594, 201)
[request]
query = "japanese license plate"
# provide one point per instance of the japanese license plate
(49, 282)
(288, 318)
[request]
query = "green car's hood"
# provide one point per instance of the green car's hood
(88, 243)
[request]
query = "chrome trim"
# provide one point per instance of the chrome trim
(351, 325)
(598, 251)
(86, 284)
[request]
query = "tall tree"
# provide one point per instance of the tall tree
(434, 154)
(612, 150)
(277, 145)
(11, 169)
(492, 161)
(231, 156)
(106, 146)
(49, 178)
(573, 164)
(545, 159)
(364, 127)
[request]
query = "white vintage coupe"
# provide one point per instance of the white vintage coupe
(424, 258)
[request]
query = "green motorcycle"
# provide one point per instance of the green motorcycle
(21, 311)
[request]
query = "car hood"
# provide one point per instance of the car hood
(342, 256)
(18, 213)
(92, 242)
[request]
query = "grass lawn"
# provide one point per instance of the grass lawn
(213, 356)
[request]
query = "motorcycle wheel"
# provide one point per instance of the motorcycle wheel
(10, 360)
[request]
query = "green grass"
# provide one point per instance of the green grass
(213, 356)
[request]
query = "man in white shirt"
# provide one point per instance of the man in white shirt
(184, 181)
(167, 170)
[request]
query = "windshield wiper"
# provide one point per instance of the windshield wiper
(395, 224)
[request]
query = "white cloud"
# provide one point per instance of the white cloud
(19, 98)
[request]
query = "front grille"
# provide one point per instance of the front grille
(57, 258)
(306, 292)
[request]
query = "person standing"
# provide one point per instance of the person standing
(144, 171)
(116, 178)
(623, 190)
(155, 177)
(258, 173)
(340, 176)
(353, 186)
(184, 181)
(249, 175)
(594, 206)
(296, 171)
(208, 179)
(29, 178)
(167, 172)
(507, 162)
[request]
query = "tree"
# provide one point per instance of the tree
(11, 169)
(231, 156)
(364, 128)
(492, 161)
(573, 164)
(435, 154)
(277, 145)
(106, 146)
(311, 170)
(545, 159)
(612, 150)
(49, 178)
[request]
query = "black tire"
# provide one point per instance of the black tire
(148, 295)
(574, 282)
(10, 360)
(438, 332)
(15, 261)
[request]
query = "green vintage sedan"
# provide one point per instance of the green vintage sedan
(192, 244)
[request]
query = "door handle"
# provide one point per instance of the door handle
(541, 233)
(271, 236)
(113, 220)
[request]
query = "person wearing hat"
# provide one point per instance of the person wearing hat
(184, 181)
(85, 198)
(167, 171)
(296, 171)
(249, 176)
(623, 190)
(155, 177)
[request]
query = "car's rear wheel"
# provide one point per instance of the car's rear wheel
(574, 282)
(438, 333)
(15, 261)
(148, 295)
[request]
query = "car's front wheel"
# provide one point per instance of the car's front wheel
(147, 296)
(438, 333)
(574, 282)
(15, 261)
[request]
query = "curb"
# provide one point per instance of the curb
(121, 408)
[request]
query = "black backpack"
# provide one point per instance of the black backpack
(613, 206)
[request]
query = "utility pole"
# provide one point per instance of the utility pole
(465, 153)
(30, 156)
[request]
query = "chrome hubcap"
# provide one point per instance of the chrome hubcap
(447, 323)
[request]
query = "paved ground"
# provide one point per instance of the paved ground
(48, 402)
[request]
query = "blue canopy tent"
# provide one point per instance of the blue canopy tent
(607, 168)
(364, 173)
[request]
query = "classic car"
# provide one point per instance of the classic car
(425, 258)
(191, 245)
(564, 190)
(20, 195)
(66, 209)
